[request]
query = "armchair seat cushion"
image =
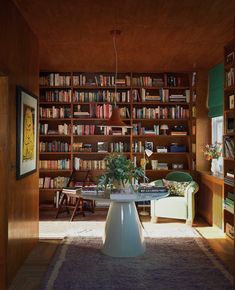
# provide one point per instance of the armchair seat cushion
(172, 207)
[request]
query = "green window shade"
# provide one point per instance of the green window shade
(216, 91)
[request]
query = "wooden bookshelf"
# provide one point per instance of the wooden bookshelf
(229, 133)
(147, 101)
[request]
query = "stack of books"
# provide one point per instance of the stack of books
(162, 166)
(229, 205)
(229, 178)
(152, 191)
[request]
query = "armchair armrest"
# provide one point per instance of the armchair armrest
(191, 189)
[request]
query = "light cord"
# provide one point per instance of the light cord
(116, 69)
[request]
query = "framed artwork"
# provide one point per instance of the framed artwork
(148, 145)
(231, 102)
(26, 135)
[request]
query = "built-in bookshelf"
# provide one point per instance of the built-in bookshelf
(160, 109)
(229, 136)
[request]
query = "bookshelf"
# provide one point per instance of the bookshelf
(160, 107)
(229, 136)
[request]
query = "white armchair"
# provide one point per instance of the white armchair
(177, 207)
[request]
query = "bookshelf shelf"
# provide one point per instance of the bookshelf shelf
(88, 95)
(229, 134)
(55, 153)
(161, 120)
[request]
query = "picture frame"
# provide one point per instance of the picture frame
(148, 145)
(26, 132)
(231, 102)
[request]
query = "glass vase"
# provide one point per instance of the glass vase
(215, 166)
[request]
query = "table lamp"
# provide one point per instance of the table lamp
(164, 128)
(148, 153)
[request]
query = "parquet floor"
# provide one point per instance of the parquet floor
(33, 270)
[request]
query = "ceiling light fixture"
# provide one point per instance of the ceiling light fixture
(115, 119)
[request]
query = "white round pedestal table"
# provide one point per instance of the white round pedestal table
(123, 235)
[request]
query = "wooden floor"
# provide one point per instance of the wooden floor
(32, 272)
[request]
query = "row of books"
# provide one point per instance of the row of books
(148, 81)
(54, 146)
(84, 129)
(101, 96)
(62, 164)
(139, 146)
(164, 96)
(138, 130)
(177, 112)
(80, 164)
(55, 112)
(56, 96)
(101, 80)
(55, 79)
(230, 174)
(119, 147)
(53, 182)
(62, 129)
(229, 180)
(159, 80)
(228, 147)
(229, 204)
(161, 95)
(81, 147)
(99, 111)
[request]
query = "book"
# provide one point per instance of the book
(71, 190)
(152, 189)
(231, 102)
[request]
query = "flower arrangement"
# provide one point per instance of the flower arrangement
(213, 151)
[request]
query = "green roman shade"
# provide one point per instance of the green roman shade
(216, 91)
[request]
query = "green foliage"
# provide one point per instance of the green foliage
(120, 170)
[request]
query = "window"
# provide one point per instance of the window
(217, 135)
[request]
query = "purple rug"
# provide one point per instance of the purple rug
(168, 263)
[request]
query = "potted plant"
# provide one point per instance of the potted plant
(120, 173)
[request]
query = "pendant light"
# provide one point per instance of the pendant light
(115, 119)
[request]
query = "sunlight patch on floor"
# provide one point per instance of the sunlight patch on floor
(61, 229)
(211, 232)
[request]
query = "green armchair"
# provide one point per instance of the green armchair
(177, 207)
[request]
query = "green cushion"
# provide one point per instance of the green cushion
(179, 176)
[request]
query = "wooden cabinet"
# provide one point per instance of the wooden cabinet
(229, 139)
(210, 198)
(160, 108)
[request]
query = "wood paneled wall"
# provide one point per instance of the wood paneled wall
(203, 134)
(18, 199)
(3, 176)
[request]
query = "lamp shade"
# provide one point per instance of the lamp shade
(148, 152)
(115, 119)
(164, 127)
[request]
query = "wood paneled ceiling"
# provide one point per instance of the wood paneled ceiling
(157, 35)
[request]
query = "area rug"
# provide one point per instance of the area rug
(168, 263)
